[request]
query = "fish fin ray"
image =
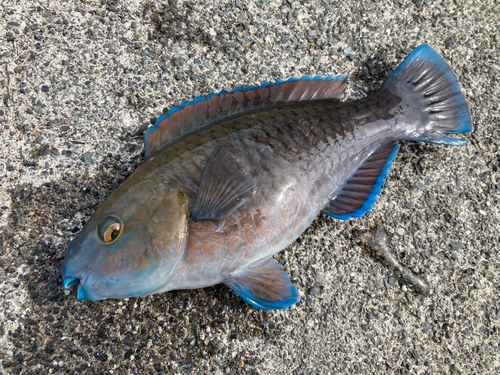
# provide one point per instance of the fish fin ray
(426, 82)
(193, 115)
(264, 285)
(226, 184)
(354, 200)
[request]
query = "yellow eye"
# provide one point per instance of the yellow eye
(109, 229)
(112, 232)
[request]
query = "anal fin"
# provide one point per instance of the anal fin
(226, 184)
(360, 192)
(264, 285)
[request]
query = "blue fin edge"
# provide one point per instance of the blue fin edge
(340, 77)
(259, 303)
(372, 197)
(426, 52)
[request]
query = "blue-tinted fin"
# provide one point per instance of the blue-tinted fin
(201, 111)
(425, 81)
(360, 192)
(264, 285)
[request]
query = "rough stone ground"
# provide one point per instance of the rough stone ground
(80, 81)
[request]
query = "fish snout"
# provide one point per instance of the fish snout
(80, 280)
(81, 293)
(70, 281)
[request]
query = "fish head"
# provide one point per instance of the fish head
(132, 245)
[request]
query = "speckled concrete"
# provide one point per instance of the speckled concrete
(80, 82)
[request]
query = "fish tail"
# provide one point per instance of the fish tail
(435, 106)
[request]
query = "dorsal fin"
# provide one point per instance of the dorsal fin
(197, 113)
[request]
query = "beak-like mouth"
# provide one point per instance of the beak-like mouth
(70, 281)
(81, 294)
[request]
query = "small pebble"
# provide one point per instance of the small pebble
(426, 328)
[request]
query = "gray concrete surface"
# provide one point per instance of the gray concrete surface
(80, 81)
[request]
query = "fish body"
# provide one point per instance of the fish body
(294, 177)
(232, 179)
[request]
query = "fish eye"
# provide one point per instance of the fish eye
(109, 230)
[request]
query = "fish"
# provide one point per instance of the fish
(231, 179)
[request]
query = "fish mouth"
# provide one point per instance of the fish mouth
(70, 281)
(81, 294)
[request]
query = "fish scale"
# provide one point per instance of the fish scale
(234, 178)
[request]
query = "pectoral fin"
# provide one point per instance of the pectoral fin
(264, 285)
(226, 184)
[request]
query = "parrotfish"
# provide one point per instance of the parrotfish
(231, 179)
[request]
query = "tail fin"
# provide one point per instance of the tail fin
(427, 84)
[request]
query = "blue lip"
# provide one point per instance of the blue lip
(81, 293)
(70, 281)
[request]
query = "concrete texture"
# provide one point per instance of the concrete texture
(80, 82)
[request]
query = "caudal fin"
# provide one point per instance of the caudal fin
(427, 84)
